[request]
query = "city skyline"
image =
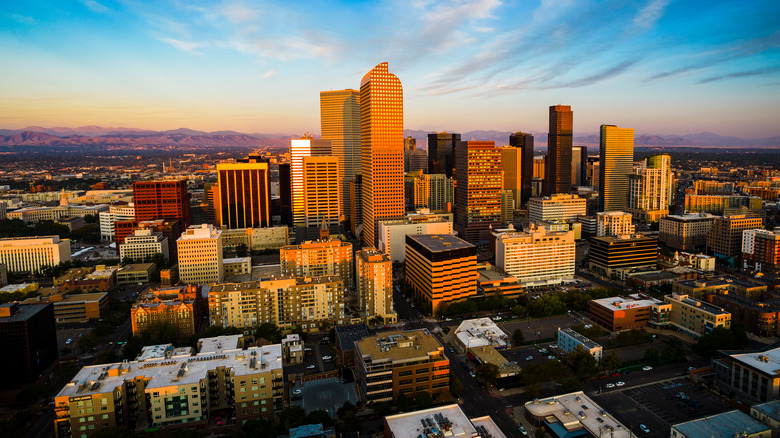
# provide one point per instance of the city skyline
(248, 67)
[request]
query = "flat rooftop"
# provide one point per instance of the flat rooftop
(770, 409)
(237, 260)
(93, 297)
(348, 334)
(767, 362)
(574, 411)
(585, 341)
(440, 242)
(480, 332)
(707, 307)
(23, 312)
(630, 302)
(219, 344)
(448, 418)
(399, 346)
(726, 425)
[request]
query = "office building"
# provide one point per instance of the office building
(374, 280)
(614, 223)
(382, 143)
(507, 206)
(725, 238)
(322, 201)
(319, 258)
(511, 167)
(434, 192)
(441, 153)
(725, 425)
(399, 362)
(392, 234)
(162, 199)
(449, 418)
(116, 212)
(686, 232)
(244, 194)
(60, 212)
(143, 244)
(537, 257)
(170, 229)
(416, 160)
(285, 194)
(579, 165)
(761, 250)
(593, 172)
(200, 255)
(539, 165)
(524, 142)
(168, 389)
(650, 189)
(574, 414)
(180, 306)
(478, 194)
(28, 340)
(340, 124)
(752, 376)
(308, 303)
(616, 162)
(569, 340)
(707, 187)
(100, 278)
(300, 149)
(718, 204)
(136, 273)
(556, 207)
(610, 254)
(78, 308)
(625, 313)
(557, 168)
(441, 268)
(32, 254)
(694, 317)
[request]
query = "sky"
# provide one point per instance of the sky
(668, 67)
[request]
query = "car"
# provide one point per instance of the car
(552, 346)
(620, 383)
(297, 392)
(471, 373)
(307, 349)
(68, 341)
(551, 357)
(326, 358)
(689, 369)
(310, 367)
(599, 420)
(529, 358)
(609, 385)
(647, 368)
(522, 430)
(644, 428)
(543, 351)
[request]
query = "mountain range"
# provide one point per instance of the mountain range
(96, 135)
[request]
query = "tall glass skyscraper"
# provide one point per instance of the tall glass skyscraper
(340, 123)
(557, 172)
(616, 156)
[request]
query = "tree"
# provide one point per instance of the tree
(90, 218)
(402, 403)
(571, 385)
(674, 350)
(517, 337)
(540, 433)
(456, 387)
(269, 332)
(127, 260)
(424, 400)
(610, 361)
(321, 417)
(532, 392)
(720, 338)
(488, 373)
(582, 362)
(242, 250)
(107, 356)
(651, 356)
(383, 409)
(292, 416)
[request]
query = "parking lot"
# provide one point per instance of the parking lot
(544, 328)
(323, 394)
(655, 405)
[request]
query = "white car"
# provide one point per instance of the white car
(68, 341)
(326, 358)
(551, 357)
(297, 392)
(529, 358)
(609, 385)
(647, 368)
(620, 383)
(310, 367)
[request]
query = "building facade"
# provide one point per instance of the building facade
(537, 257)
(524, 142)
(392, 234)
(31, 254)
(616, 162)
(650, 189)
(557, 169)
(28, 340)
(609, 254)
(614, 223)
(441, 153)
(569, 340)
(725, 237)
(556, 207)
(340, 124)
(180, 306)
(322, 193)
(200, 255)
(144, 243)
(685, 232)
(696, 318)
(244, 199)
(319, 258)
(478, 196)
(374, 280)
(761, 250)
(162, 199)
(718, 204)
(121, 212)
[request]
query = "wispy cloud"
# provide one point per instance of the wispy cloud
(741, 74)
(269, 73)
(23, 19)
(239, 13)
(96, 7)
(648, 15)
(184, 46)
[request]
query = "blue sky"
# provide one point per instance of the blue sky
(659, 66)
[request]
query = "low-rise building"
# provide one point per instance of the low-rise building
(537, 257)
(237, 266)
(753, 376)
(143, 244)
(726, 425)
(700, 288)
(392, 233)
(100, 278)
(32, 254)
(491, 283)
(769, 414)
(608, 254)
(558, 206)
(569, 340)
(761, 250)
(480, 332)
(574, 414)
(759, 318)
(694, 317)
(24, 288)
(717, 203)
(625, 313)
(448, 420)
(184, 307)
(292, 349)
(78, 308)
(137, 273)
(346, 336)
(398, 362)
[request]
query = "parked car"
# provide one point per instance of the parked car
(644, 428)
(551, 357)
(609, 385)
(297, 392)
(326, 358)
(647, 368)
(522, 430)
(68, 341)
(620, 383)
(310, 367)
(529, 358)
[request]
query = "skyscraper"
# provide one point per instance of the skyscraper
(512, 170)
(322, 192)
(285, 194)
(340, 123)
(478, 193)
(441, 152)
(356, 203)
(579, 165)
(525, 142)
(650, 189)
(557, 173)
(300, 148)
(616, 155)
(244, 193)
(162, 199)
(382, 145)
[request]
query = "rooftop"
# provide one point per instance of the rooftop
(440, 242)
(585, 341)
(219, 344)
(348, 334)
(480, 332)
(398, 346)
(97, 296)
(690, 217)
(726, 425)
(17, 287)
(767, 362)
(198, 232)
(575, 411)
(709, 308)
(770, 409)
(237, 260)
(17, 313)
(630, 302)
(450, 420)
(136, 267)
(101, 272)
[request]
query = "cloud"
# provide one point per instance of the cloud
(269, 73)
(239, 13)
(96, 7)
(23, 19)
(184, 46)
(741, 74)
(648, 15)
(600, 76)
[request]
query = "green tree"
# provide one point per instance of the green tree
(113, 432)
(292, 416)
(674, 350)
(456, 387)
(269, 332)
(517, 337)
(90, 218)
(571, 385)
(720, 338)
(383, 409)
(107, 356)
(424, 400)
(610, 361)
(321, 417)
(402, 403)
(127, 260)
(546, 305)
(488, 373)
(582, 362)
(242, 250)
(651, 356)
(532, 392)
(540, 433)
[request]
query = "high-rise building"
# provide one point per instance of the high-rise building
(417, 160)
(537, 257)
(650, 189)
(507, 206)
(441, 268)
(374, 280)
(725, 237)
(382, 145)
(610, 254)
(685, 232)
(28, 340)
(616, 155)
(556, 207)
(478, 194)
(200, 255)
(579, 165)
(392, 234)
(116, 212)
(32, 254)
(511, 168)
(244, 193)
(285, 194)
(434, 192)
(557, 172)
(318, 258)
(322, 193)
(299, 149)
(162, 200)
(761, 250)
(441, 153)
(144, 243)
(340, 123)
(593, 172)
(356, 203)
(614, 223)
(524, 142)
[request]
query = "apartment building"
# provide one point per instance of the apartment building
(392, 233)
(374, 279)
(181, 306)
(761, 250)
(569, 340)
(752, 376)
(696, 318)
(399, 362)
(556, 207)
(725, 237)
(32, 254)
(116, 212)
(614, 223)
(537, 257)
(716, 204)
(686, 232)
(441, 268)
(200, 255)
(144, 243)
(319, 258)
